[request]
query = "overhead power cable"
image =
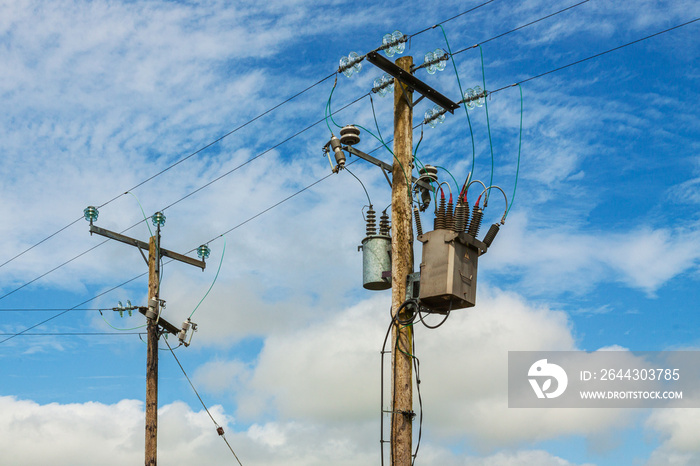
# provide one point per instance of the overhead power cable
(450, 19)
(206, 185)
(72, 334)
(523, 26)
(45, 309)
(279, 105)
(219, 429)
(597, 55)
(206, 146)
(291, 196)
(72, 308)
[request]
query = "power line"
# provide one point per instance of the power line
(450, 19)
(318, 181)
(598, 55)
(173, 165)
(521, 27)
(206, 185)
(219, 429)
(45, 309)
(74, 307)
(73, 334)
(191, 250)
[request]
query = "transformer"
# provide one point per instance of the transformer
(376, 262)
(448, 270)
(376, 253)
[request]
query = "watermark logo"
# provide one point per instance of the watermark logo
(547, 372)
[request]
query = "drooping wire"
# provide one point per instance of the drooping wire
(121, 329)
(328, 113)
(361, 184)
(219, 429)
(488, 122)
(223, 252)
(448, 172)
(381, 139)
(142, 212)
(461, 93)
(520, 143)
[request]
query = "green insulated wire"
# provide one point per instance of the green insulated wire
(387, 148)
(488, 124)
(520, 144)
(215, 277)
(461, 93)
(448, 172)
(142, 212)
(328, 112)
(121, 329)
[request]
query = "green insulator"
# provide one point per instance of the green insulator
(203, 251)
(91, 213)
(158, 219)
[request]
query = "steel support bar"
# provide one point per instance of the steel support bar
(143, 245)
(411, 81)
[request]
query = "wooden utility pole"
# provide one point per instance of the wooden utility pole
(152, 354)
(156, 324)
(401, 266)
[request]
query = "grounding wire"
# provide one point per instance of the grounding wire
(520, 143)
(461, 93)
(183, 198)
(223, 252)
(219, 429)
(488, 122)
(174, 164)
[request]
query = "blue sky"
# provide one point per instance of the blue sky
(601, 247)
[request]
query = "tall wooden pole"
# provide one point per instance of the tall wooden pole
(152, 356)
(401, 266)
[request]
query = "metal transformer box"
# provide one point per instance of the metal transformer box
(376, 262)
(448, 270)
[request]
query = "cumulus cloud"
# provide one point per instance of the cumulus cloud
(555, 258)
(328, 372)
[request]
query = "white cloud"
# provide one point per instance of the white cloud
(328, 372)
(557, 258)
(677, 428)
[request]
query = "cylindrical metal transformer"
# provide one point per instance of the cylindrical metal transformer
(376, 262)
